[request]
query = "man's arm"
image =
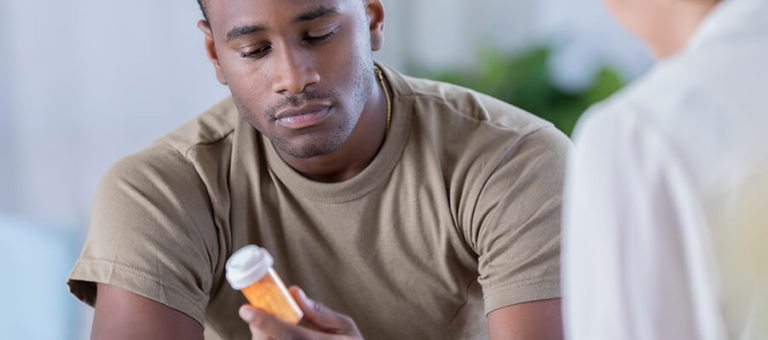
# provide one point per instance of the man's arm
(121, 314)
(518, 239)
(541, 320)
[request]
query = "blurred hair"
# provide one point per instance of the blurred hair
(203, 4)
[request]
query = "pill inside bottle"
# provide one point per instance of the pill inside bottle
(250, 271)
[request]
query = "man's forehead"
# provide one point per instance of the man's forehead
(269, 9)
(249, 16)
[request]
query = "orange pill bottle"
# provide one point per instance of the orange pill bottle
(250, 271)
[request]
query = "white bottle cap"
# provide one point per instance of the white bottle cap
(248, 265)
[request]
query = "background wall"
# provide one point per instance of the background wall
(86, 82)
(7, 154)
(89, 81)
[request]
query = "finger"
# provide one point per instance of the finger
(264, 325)
(321, 316)
(258, 335)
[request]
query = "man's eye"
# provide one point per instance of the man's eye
(320, 39)
(256, 53)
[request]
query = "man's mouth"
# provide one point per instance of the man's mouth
(302, 117)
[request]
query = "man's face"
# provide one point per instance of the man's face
(300, 71)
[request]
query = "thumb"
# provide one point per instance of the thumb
(323, 317)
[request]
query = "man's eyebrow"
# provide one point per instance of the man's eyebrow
(312, 14)
(315, 13)
(239, 31)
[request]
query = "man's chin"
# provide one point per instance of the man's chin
(306, 150)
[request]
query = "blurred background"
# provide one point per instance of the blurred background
(84, 83)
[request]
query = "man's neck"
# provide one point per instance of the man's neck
(685, 19)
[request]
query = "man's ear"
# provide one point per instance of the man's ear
(375, 11)
(210, 49)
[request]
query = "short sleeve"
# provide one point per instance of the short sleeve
(516, 228)
(151, 232)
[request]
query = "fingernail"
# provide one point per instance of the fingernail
(246, 313)
(304, 299)
(302, 295)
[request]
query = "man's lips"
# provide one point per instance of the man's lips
(302, 117)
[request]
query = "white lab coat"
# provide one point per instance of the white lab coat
(666, 201)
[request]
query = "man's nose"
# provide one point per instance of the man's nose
(294, 72)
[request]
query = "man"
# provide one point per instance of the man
(412, 209)
(665, 223)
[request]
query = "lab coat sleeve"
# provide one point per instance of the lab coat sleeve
(632, 238)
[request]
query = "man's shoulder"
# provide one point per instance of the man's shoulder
(450, 101)
(464, 125)
(210, 127)
(177, 153)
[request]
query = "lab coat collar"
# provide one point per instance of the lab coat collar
(732, 19)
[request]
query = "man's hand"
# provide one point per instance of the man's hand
(327, 324)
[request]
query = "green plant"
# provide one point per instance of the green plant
(526, 81)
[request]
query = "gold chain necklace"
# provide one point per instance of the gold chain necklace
(383, 82)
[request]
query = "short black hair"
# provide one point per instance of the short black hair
(203, 4)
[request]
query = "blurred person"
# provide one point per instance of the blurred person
(411, 209)
(665, 219)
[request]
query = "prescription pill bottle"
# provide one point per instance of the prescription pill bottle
(250, 271)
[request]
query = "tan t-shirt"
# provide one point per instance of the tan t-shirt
(458, 215)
